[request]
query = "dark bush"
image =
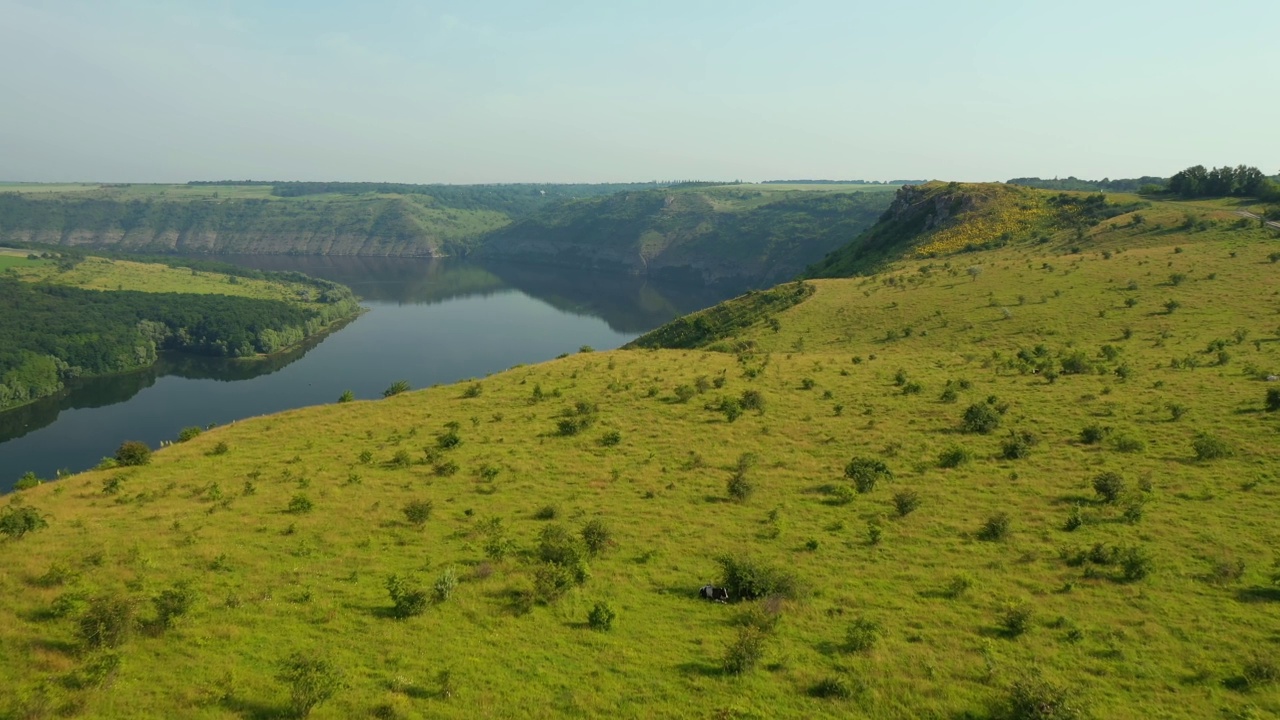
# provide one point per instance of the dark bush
(833, 688)
(172, 603)
(188, 433)
(739, 487)
(611, 438)
(1109, 486)
(17, 521)
(1015, 618)
(396, 388)
(448, 440)
(597, 536)
(752, 400)
(407, 596)
(954, 456)
(861, 635)
(300, 504)
(133, 452)
(1210, 447)
(745, 652)
(601, 617)
(1034, 698)
(546, 512)
(866, 472)
(107, 622)
(418, 512)
(748, 579)
(1018, 445)
(1093, 434)
(1136, 564)
(996, 527)
(980, 418)
(906, 502)
(1273, 400)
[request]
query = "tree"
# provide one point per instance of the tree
(18, 521)
(974, 271)
(133, 452)
(311, 681)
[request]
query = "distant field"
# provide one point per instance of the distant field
(8, 260)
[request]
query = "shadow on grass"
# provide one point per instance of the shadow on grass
(1257, 594)
(701, 668)
(254, 709)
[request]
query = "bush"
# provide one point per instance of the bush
(1109, 486)
(739, 487)
(346, 396)
(1273, 400)
(444, 585)
(546, 512)
(557, 546)
(1015, 618)
(1127, 443)
(1093, 434)
(396, 388)
(1034, 698)
(684, 393)
(1135, 564)
(220, 449)
(957, 586)
(752, 400)
(980, 418)
(133, 452)
(611, 438)
(1018, 445)
(407, 597)
(866, 472)
(16, 522)
(843, 494)
(300, 504)
(1209, 447)
(189, 433)
(861, 635)
(906, 502)
(1074, 519)
(995, 528)
(1259, 672)
(173, 603)
(417, 512)
(107, 622)
(311, 682)
(551, 581)
(745, 652)
(597, 536)
(747, 579)
(601, 617)
(833, 688)
(473, 391)
(27, 481)
(954, 456)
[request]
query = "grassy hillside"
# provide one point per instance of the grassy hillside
(757, 233)
(1107, 544)
(68, 317)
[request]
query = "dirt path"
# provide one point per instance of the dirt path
(1270, 224)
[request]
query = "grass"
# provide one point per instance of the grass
(1168, 644)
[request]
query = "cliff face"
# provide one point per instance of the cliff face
(713, 234)
(337, 226)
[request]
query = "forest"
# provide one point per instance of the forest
(50, 333)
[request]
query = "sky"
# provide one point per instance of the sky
(486, 91)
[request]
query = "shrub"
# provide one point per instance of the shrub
(996, 527)
(107, 622)
(401, 459)
(546, 512)
(957, 586)
(220, 449)
(1273, 400)
(597, 536)
(980, 418)
(16, 522)
(745, 652)
(1074, 519)
(346, 396)
(173, 603)
(407, 597)
(1135, 563)
(843, 494)
(1260, 671)
(396, 388)
(445, 469)
(1015, 618)
(752, 400)
(1093, 434)
(27, 481)
(684, 393)
(417, 512)
(1209, 447)
(300, 504)
(311, 682)
(601, 617)
(1109, 486)
(473, 391)
(611, 438)
(551, 582)
(1125, 443)
(739, 487)
(1034, 698)
(1018, 445)
(133, 452)
(906, 502)
(748, 579)
(444, 585)
(861, 635)
(557, 546)
(866, 472)
(954, 456)
(189, 433)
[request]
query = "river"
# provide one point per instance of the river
(428, 322)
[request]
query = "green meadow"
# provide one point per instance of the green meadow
(1031, 479)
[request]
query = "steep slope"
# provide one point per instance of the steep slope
(1050, 481)
(746, 234)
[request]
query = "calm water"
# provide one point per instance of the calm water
(428, 322)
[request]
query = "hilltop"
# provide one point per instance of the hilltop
(1024, 463)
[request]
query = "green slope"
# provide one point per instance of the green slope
(1112, 538)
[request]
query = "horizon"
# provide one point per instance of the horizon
(444, 92)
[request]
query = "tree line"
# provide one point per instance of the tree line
(50, 333)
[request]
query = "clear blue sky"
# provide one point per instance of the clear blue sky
(610, 90)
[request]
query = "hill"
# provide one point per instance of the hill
(759, 234)
(1033, 479)
(67, 317)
